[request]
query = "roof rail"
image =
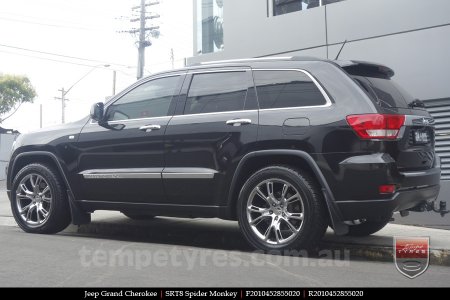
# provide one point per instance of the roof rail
(247, 59)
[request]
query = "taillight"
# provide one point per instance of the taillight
(376, 126)
(386, 189)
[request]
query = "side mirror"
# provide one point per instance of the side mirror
(97, 111)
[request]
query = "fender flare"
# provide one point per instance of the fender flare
(79, 216)
(336, 218)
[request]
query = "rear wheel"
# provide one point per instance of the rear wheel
(38, 200)
(366, 227)
(280, 208)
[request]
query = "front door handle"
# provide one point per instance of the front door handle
(149, 128)
(239, 122)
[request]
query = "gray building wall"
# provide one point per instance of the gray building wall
(410, 36)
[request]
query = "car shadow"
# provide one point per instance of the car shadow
(202, 233)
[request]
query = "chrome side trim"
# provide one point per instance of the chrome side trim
(187, 175)
(132, 173)
(122, 176)
(149, 173)
(217, 112)
(133, 120)
(318, 85)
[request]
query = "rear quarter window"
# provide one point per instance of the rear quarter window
(280, 89)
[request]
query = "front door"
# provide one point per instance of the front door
(215, 127)
(122, 162)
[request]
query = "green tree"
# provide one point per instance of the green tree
(14, 90)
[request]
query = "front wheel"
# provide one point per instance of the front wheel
(38, 200)
(280, 208)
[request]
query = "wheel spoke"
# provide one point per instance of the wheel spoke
(37, 182)
(258, 220)
(46, 199)
(291, 227)
(257, 209)
(261, 194)
(44, 212)
(278, 236)
(25, 208)
(267, 233)
(44, 191)
(38, 215)
(29, 212)
(293, 198)
(295, 216)
(24, 188)
(24, 197)
(284, 191)
(269, 186)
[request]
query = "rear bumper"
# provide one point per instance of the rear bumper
(402, 200)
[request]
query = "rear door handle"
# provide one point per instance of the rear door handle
(239, 122)
(149, 128)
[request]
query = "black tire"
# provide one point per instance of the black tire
(315, 216)
(58, 217)
(367, 227)
(138, 216)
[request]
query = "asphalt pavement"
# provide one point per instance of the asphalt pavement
(170, 252)
(64, 260)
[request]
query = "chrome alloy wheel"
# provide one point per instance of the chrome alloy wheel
(34, 199)
(275, 211)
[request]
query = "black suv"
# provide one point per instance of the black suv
(286, 146)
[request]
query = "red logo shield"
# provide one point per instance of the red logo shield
(412, 255)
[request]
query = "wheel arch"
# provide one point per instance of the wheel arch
(254, 161)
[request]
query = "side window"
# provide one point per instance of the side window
(279, 89)
(216, 92)
(151, 99)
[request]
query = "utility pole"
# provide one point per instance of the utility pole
(142, 42)
(172, 58)
(114, 82)
(144, 32)
(63, 104)
(40, 115)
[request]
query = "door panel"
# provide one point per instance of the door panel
(123, 165)
(202, 150)
(122, 161)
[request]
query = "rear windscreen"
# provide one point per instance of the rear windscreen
(384, 92)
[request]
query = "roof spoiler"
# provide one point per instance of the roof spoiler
(363, 68)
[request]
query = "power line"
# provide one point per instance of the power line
(47, 24)
(46, 58)
(62, 55)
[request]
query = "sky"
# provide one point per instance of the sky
(84, 35)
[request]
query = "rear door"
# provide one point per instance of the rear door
(216, 126)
